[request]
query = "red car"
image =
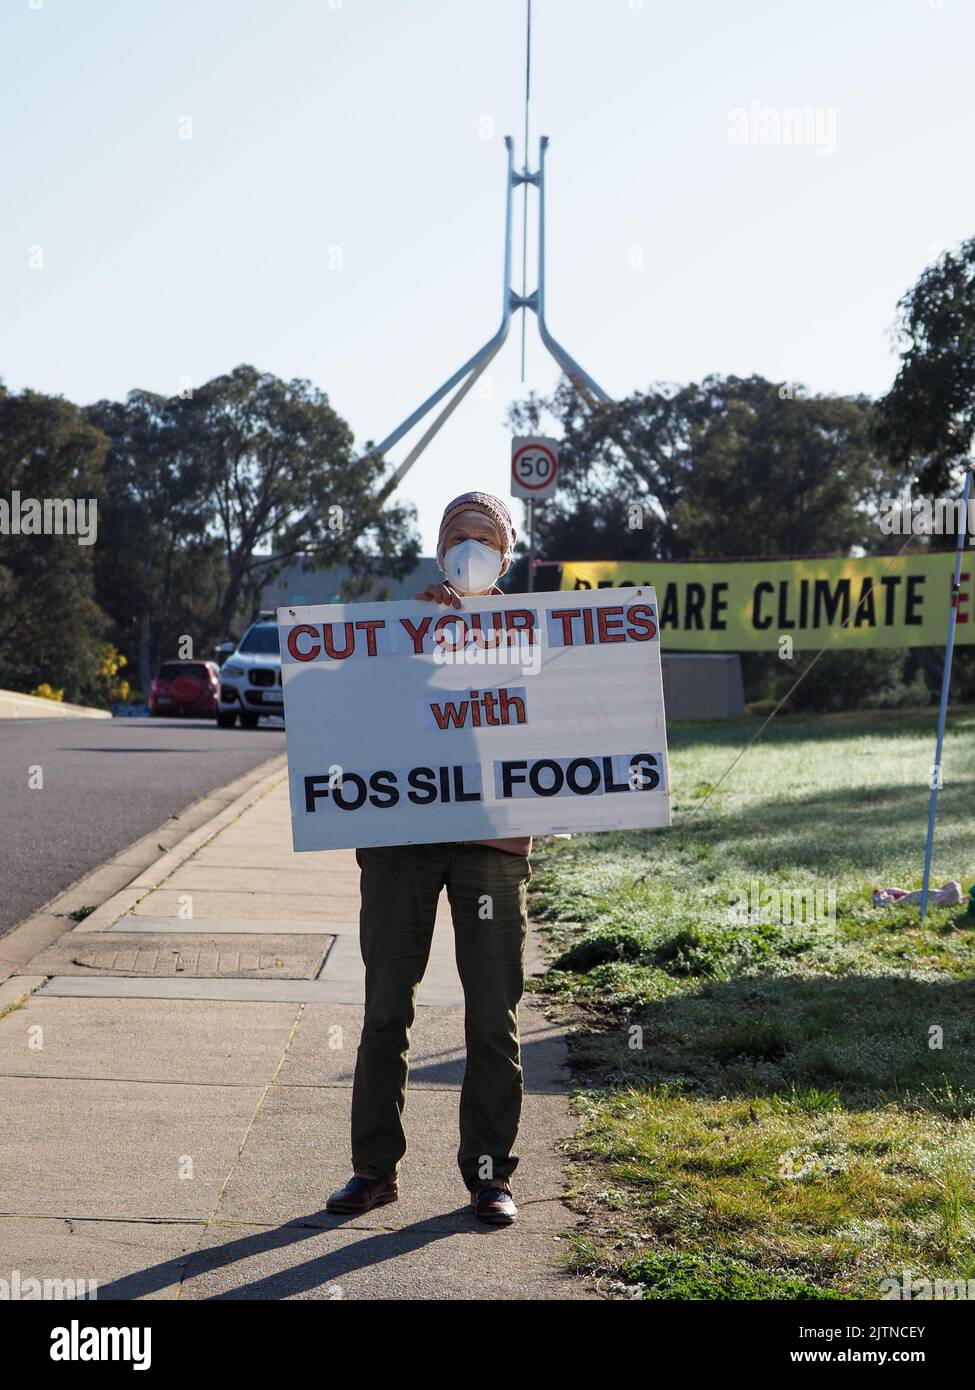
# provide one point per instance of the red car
(186, 687)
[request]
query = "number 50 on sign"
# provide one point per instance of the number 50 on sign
(534, 466)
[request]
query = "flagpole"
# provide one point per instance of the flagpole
(945, 683)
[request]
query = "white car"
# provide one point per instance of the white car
(250, 678)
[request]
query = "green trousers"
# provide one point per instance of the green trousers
(486, 888)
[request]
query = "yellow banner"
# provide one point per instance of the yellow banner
(751, 605)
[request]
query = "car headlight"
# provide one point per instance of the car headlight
(232, 671)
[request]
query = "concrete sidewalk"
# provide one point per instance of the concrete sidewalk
(177, 1087)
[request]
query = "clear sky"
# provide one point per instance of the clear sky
(336, 214)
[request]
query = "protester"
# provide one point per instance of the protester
(486, 882)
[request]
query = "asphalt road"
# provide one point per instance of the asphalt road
(106, 784)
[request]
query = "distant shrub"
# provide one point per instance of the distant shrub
(839, 680)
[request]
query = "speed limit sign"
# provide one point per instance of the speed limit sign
(534, 466)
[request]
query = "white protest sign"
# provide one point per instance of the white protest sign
(414, 723)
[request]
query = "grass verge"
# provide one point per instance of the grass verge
(775, 1080)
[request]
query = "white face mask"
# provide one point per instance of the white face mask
(471, 567)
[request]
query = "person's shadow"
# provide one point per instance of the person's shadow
(302, 1277)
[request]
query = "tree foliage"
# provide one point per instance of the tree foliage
(726, 467)
(51, 627)
(926, 422)
(278, 463)
(202, 499)
(212, 494)
(160, 576)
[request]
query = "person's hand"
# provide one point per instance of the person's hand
(440, 593)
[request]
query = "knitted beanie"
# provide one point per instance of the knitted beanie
(492, 507)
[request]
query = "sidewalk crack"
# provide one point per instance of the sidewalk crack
(210, 1220)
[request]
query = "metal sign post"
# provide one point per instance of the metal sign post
(530, 508)
(945, 684)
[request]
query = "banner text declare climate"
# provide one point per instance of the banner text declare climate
(421, 636)
(752, 605)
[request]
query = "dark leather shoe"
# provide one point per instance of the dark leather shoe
(492, 1202)
(361, 1194)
